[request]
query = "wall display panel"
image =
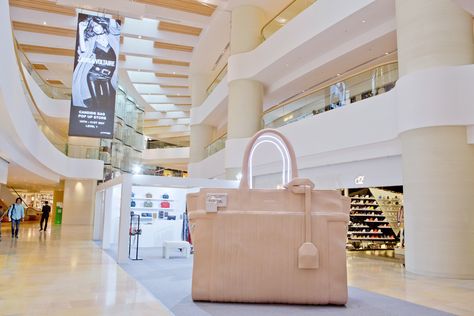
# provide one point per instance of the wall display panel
(94, 82)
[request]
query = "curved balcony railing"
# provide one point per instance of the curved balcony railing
(338, 93)
(217, 80)
(217, 145)
(294, 8)
(55, 136)
(54, 92)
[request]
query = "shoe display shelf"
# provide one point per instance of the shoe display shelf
(368, 226)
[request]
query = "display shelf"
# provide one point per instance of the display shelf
(151, 199)
(152, 209)
(366, 214)
(375, 239)
(365, 233)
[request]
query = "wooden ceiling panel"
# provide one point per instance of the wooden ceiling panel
(39, 67)
(179, 28)
(43, 5)
(190, 6)
(43, 29)
(46, 50)
(55, 82)
(177, 96)
(181, 48)
(170, 62)
(173, 87)
(164, 75)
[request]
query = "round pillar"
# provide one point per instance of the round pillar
(200, 134)
(438, 168)
(245, 95)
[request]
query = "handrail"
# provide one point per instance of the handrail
(18, 195)
(90, 152)
(274, 18)
(328, 82)
(216, 80)
(216, 145)
(317, 95)
(50, 88)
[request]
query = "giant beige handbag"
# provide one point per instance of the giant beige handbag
(269, 245)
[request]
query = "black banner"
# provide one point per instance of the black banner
(94, 81)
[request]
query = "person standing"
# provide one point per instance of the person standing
(16, 213)
(45, 216)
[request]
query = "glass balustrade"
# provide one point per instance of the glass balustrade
(222, 73)
(54, 92)
(354, 88)
(216, 145)
(284, 16)
(53, 132)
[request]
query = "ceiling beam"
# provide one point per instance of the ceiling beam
(46, 50)
(181, 48)
(190, 6)
(161, 61)
(179, 28)
(44, 6)
(43, 29)
(165, 75)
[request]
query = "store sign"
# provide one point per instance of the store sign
(94, 81)
(359, 180)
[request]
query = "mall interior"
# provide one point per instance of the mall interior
(131, 117)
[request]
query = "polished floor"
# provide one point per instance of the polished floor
(61, 272)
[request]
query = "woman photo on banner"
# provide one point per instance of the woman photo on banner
(95, 77)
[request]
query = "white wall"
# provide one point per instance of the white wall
(3, 171)
(79, 202)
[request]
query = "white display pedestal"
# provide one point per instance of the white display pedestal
(160, 202)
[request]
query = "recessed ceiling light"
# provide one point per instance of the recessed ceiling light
(338, 74)
(44, 23)
(179, 94)
(139, 37)
(386, 53)
(363, 21)
(174, 72)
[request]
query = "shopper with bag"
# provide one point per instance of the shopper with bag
(16, 213)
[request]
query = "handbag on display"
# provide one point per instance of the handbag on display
(269, 245)
(148, 204)
(165, 204)
(165, 196)
(149, 195)
(133, 203)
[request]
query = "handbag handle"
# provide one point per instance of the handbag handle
(286, 150)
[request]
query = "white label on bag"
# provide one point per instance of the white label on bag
(215, 200)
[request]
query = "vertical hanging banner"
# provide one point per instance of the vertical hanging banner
(94, 81)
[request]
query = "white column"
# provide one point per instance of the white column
(245, 95)
(79, 202)
(438, 164)
(201, 134)
(3, 171)
(124, 224)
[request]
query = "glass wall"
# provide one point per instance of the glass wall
(361, 86)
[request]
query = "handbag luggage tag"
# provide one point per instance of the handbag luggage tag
(214, 201)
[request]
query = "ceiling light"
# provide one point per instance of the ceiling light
(174, 72)
(363, 21)
(281, 20)
(338, 75)
(44, 23)
(139, 37)
(179, 94)
(387, 53)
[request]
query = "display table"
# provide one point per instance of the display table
(167, 245)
